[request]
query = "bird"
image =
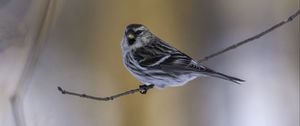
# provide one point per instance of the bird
(156, 63)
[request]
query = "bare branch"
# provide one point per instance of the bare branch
(144, 88)
(251, 39)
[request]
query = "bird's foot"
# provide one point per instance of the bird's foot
(144, 88)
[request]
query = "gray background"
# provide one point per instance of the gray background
(76, 44)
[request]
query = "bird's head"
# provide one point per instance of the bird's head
(136, 35)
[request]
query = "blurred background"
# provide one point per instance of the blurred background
(76, 44)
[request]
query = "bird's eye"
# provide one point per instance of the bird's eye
(138, 32)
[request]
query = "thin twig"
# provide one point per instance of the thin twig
(144, 88)
(251, 38)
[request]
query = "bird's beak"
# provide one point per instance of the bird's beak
(130, 36)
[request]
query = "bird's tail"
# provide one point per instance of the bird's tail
(226, 77)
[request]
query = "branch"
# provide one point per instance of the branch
(251, 38)
(144, 88)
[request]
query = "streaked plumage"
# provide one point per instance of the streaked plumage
(153, 61)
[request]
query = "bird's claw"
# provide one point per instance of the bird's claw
(144, 88)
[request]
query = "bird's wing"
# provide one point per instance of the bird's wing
(165, 57)
(150, 56)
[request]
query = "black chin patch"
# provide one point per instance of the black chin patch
(131, 41)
